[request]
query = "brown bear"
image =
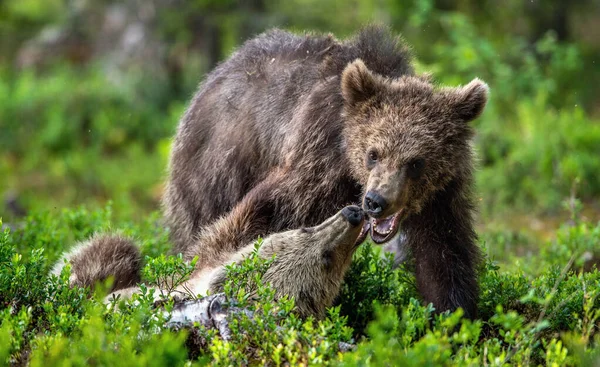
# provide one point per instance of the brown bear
(309, 263)
(292, 128)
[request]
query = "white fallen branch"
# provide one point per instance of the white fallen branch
(212, 312)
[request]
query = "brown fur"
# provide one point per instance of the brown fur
(309, 265)
(277, 137)
(101, 257)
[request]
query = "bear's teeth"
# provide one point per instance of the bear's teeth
(385, 226)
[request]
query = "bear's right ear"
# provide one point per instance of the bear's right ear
(470, 100)
(358, 83)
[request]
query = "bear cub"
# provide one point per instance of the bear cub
(291, 128)
(309, 264)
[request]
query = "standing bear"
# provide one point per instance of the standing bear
(291, 128)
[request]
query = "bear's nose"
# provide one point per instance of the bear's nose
(353, 214)
(374, 204)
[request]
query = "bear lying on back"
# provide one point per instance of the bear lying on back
(292, 128)
(309, 264)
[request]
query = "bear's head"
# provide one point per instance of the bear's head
(310, 263)
(406, 139)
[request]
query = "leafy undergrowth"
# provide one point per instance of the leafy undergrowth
(546, 312)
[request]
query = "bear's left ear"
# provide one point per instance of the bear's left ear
(358, 83)
(469, 101)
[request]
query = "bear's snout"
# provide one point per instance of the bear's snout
(353, 214)
(374, 204)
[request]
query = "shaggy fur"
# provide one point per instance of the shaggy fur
(101, 257)
(309, 265)
(278, 137)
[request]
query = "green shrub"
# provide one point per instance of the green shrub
(54, 125)
(274, 334)
(372, 280)
(574, 242)
(521, 169)
(535, 316)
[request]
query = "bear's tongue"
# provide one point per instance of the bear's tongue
(384, 229)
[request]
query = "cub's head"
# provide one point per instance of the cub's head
(406, 139)
(310, 263)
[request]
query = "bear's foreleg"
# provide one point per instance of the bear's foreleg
(259, 213)
(443, 241)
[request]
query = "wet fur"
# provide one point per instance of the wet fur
(264, 131)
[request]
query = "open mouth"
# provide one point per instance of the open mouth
(363, 232)
(385, 228)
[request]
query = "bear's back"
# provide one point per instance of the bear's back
(277, 51)
(250, 115)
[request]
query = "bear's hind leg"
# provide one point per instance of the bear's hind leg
(101, 257)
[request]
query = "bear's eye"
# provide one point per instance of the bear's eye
(372, 157)
(415, 168)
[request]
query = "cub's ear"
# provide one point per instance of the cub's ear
(358, 83)
(469, 101)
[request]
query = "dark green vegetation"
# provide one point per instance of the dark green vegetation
(84, 122)
(548, 312)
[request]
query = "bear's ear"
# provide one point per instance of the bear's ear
(358, 83)
(469, 101)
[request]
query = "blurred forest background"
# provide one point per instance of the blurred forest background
(91, 92)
